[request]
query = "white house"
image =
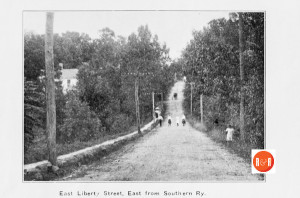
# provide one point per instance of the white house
(68, 78)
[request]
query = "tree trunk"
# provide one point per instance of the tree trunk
(242, 48)
(50, 90)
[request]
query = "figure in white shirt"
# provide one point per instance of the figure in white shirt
(230, 131)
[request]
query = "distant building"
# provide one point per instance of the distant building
(68, 78)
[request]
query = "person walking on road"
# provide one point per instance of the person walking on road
(183, 120)
(169, 120)
(160, 119)
(177, 121)
(175, 96)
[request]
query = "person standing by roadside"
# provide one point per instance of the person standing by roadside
(230, 131)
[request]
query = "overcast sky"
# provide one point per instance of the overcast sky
(172, 27)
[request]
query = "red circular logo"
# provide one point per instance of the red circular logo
(263, 161)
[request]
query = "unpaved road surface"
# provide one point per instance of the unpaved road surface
(175, 153)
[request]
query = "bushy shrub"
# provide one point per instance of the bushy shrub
(121, 123)
(80, 123)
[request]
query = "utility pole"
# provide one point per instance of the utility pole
(192, 84)
(153, 106)
(201, 107)
(242, 48)
(136, 97)
(137, 105)
(50, 90)
(201, 95)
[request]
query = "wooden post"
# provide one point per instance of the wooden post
(153, 106)
(201, 108)
(50, 90)
(242, 48)
(137, 105)
(192, 99)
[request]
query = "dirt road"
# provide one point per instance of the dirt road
(169, 154)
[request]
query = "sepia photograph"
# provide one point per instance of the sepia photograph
(143, 95)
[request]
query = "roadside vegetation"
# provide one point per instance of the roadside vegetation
(102, 106)
(212, 60)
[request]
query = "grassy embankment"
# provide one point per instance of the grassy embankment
(38, 151)
(218, 134)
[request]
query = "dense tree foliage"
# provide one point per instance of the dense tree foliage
(107, 82)
(212, 62)
(33, 111)
(108, 66)
(72, 48)
(34, 56)
(81, 123)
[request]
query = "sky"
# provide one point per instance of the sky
(172, 27)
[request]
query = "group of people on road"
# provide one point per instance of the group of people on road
(229, 130)
(183, 121)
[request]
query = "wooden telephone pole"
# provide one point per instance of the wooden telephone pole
(137, 100)
(137, 105)
(201, 108)
(50, 90)
(192, 84)
(153, 106)
(242, 48)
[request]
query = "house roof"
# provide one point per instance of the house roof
(69, 74)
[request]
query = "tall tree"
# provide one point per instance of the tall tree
(214, 64)
(34, 61)
(50, 90)
(145, 61)
(241, 53)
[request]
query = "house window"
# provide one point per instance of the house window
(68, 82)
